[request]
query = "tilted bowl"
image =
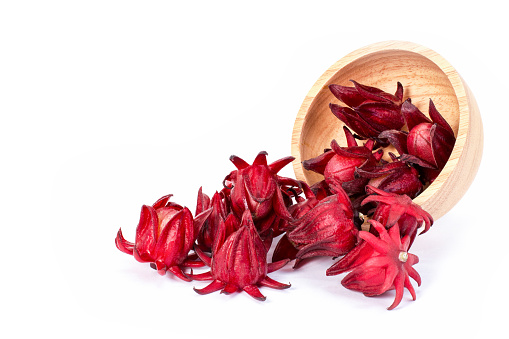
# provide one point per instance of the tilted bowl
(425, 75)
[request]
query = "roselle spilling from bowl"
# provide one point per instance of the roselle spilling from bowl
(361, 213)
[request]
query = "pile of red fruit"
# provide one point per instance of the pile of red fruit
(362, 212)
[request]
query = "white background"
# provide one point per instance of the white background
(108, 105)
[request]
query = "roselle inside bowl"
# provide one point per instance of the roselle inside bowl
(425, 75)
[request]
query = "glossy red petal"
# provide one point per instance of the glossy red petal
(419, 143)
(260, 183)
(397, 138)
(350, 118)
(122, 244)
(381, 115)
(376, 94)
(442, 145)
(410, 288)
(318, 163)
(284, 250)
(169, 246)
(348, 95)
(206, 276)
(193, 263)
(324, 248)
(202, 202)
(238, 162)
(146, 235)
(161, 202)
(277, 265)
(177, 271)
(254, 292)
(203, 257)
(200, 219)
(189, 232)
(412, 115)
(368, 280)
(350, 139)
(412, 159)
(261, 159)
(399, 286)
(405, 181)
(230, 288)
(277, 165)
(268, 282)
(377, 244)
(357, 256)
(414, 275)
(342, 168)
(279, 206)
(238, 195)
(399, 92)
(437, 118)
(214, 286)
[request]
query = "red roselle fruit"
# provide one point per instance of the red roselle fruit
(429, 142)
(327, 229)
(284, 248)
(394, 177)
(371, 110)
(219, 214)
(339, 164)
(393, 208)
(257, 186)
(380, 264)
(164, 236)
(240, 263)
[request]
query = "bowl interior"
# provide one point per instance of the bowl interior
(421, 78)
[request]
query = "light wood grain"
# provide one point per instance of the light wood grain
(425, 75)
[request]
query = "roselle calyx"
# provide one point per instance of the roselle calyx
(257, 187)
(285, 249)
(394, 208)
(429, 142)
(327, 229)
(339, 164)
(380, 264)
(164, 237)
(371, 110)
(240, 263)
(219, 214)
(342, 165)
(394, 177)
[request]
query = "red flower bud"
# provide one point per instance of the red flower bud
(240, 263)
(380, 264)
(393, 208)
(359, 94)
(284, 248)
(338, 165)
(429, 142)
(207, 233)
(419, 143)
(371, 110)
(394, 177)
(256, 187)
(325, 230)
(164, 236)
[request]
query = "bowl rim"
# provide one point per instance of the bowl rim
(393, 45)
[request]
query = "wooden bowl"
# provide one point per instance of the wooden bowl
(424, 75)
